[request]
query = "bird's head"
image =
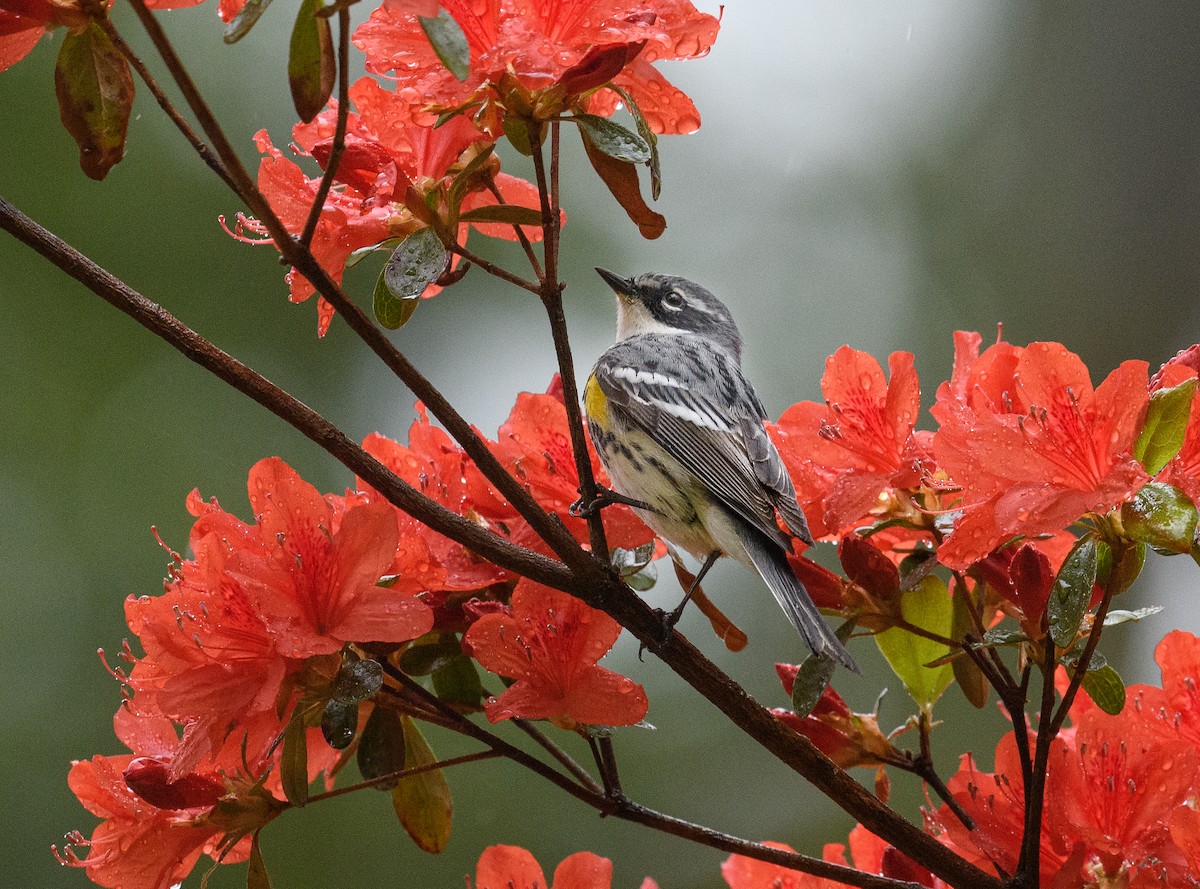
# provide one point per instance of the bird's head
(653, 303)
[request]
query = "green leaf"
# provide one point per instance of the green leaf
(293, 762)
(239, 26)
(392, 313)
(966, 672)
(95, 94)
(448, 42)
(511, 213)
(381, 747)
(1117, 616)
(1166, 424)
(646, 133)
(929, 607)
(415, 264)
(429, 653)
(1105, 687)
(644, 580)
(517, 131)
(339, 721)
(257, 877)
(613, 139)
(457, 681)
(630, 561)
(811, 681)
(311, 69)
(1128, 567)
(422, 802)
(1071, 593)
(357, 680)
(1162, 517)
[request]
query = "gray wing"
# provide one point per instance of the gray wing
(695, 401)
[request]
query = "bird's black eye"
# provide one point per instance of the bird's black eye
(673, 300)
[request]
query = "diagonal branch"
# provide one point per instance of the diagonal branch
(296, 254)
(160, 322)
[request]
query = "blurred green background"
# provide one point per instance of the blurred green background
(878, 173)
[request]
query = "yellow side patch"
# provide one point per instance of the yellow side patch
(595, 403)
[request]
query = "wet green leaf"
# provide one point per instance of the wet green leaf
(647, 134)
(339, 721)
(390, 312)
(239, 26)
(429, 653)
(811, 681)
(1162, 517)
(929, 607)
(457, 681)
(631, 561)
(422, 802)
(381, 747)
(415, 264)
(1105, 687)
(357, 680)
(94, 86)
(448, 42)
(613, 139)
(1166, 424)
(311, 60)
(1071, 593)
(1115, 616)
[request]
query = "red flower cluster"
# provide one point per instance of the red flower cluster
(542, 42)
(253, 629)
(868, 853)
(511, 867)
(1121, 790)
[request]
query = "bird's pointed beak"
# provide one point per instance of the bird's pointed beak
(621, 286)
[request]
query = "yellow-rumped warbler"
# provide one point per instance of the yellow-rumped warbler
(680, 432)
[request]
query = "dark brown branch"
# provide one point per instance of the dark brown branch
(496, 271)
(555, 535)
(339, 131)
(551, 292)
(160, 322)
(564, 759)
(404, 773)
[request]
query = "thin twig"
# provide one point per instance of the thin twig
(198, 144)
(924, 769)
(405, 773)
(496, 271)
(565, 759)
(339, 131)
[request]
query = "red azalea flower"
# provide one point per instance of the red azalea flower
(386, 154)
(1115, 786)
(997, 803)
(139, 845)
(534, 443)
(436, 466)
(846, 455)
(314, 584)
(868, 853)
(550, 643)
(511, 867)
(541, 47)
(1039, 448)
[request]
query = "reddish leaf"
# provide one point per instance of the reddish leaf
(622, 180)
(600, 65)
(95, 93)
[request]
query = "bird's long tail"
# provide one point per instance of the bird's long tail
(793, 598)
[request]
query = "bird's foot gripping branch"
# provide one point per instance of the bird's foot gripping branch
(462, 581)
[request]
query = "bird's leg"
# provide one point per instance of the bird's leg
(604, 497)
(669, 620)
